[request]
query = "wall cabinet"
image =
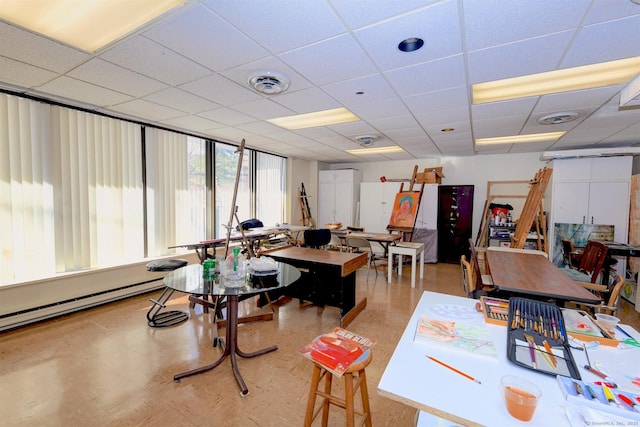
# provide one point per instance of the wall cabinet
(376, 204)
(591, 191)
(338, 194)
(455, 216)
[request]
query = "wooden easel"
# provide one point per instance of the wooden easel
(304, 207)
(533, 212)
(407, 232)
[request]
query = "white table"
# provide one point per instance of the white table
(406, 248)
(414, 380)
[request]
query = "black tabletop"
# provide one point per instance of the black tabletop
(189, 279)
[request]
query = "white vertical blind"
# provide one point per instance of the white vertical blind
(98, 190)
(270, 188)
(167, 191)
(26, 194)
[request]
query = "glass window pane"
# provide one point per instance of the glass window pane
(226, 165)
(270, 188)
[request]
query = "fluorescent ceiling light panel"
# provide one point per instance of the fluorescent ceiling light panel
(534, 137)
(569, 79)
(379, 150)
(85, 24)
(319, 118)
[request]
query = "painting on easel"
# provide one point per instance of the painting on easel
(405, 209)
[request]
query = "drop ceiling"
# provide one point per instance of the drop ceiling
(188, 71)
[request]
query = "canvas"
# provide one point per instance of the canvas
(405, 209)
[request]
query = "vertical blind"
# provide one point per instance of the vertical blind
(72, 190)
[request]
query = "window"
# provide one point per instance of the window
(226, 167)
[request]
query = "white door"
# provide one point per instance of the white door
(326, 203)
(609, 205)
(570, 202)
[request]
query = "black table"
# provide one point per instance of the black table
(617, 249)
(189, 280)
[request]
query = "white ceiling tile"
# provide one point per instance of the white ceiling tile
(518, 20)
(181, 100)
(221, 90)
(444, 118)
(447, 99)
(272, 64)
(356, 16)
(293, 23)
(78, 90)
(391, 123)
(265, 109)
(228, 116)
(438, 25)
(428, 77)
(260, 128)
(361, 90)
(601, 11)
(341, 50)
(499, 126)
(576, 99)
(530, 56)
(151, 59)
(30, 48)
(110, 76)
(148, 110)
(306, 101)
(380, 109)
(201, 35)
(604, 42)
(21, 74)
(191, 122)
(514, 107)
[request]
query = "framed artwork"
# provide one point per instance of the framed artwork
(579, 234)
(405, 209)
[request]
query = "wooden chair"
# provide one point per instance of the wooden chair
(483, 280)
(467, 276)
(610, 296)
(593, 258)
(571, 255)
(470, 283)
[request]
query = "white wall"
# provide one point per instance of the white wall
(475, 170)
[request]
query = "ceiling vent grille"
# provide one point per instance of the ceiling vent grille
(366, 140)
(268, 82)
(558, 118)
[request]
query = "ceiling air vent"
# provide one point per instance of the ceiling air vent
(366, 140)
(268, 82)
(557, 118)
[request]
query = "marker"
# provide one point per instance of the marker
(628, 401)
(591, 392)
(609, 395)
(578, 388)
(610, 385)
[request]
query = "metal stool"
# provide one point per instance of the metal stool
(354, 378)
(155, 318)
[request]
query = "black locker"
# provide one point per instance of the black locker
(455, 217)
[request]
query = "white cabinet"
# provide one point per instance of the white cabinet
(376, 204)
(592, 191)
(338, 194)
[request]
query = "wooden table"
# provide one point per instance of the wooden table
(413, 380)
(383, 239)
(531, 274)
(328, 278)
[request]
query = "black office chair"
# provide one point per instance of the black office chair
(317, 238)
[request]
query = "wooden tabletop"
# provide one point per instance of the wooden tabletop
(349, 262)
(535, 275)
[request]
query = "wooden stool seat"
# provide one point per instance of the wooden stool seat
(354, 378)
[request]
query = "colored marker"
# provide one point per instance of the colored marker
(610, 385)
(609, 395)
(591, 392)
(628, 401)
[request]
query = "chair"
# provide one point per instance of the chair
(362, 245)
(317, 238)
(591, 263)
(483, 280)
(335, 244)
(570, 255)
(467, 276)
(610, 296)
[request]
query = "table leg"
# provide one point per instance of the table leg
(389, 267)
(413, 270)
(230, 348)
(422, 265)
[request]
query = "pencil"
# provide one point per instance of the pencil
(455, 370)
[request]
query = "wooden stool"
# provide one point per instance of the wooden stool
(350, 389)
